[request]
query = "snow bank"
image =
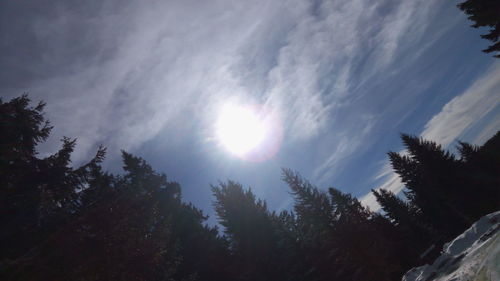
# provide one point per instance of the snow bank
(474, 255)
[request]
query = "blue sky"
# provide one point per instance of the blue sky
(344, 78)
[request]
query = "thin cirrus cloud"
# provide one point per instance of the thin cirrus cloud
(165, 60)
(121, 73)
(453, 121)
(314, 68)
(140, 68)
(126, 73)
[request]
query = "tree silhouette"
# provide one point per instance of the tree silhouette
(66, 223)
(408, 220)
(261, 242)
(37, 194)
(444, 193)
(341, 238)
(61, 222)
(485, 13)
(428, 174)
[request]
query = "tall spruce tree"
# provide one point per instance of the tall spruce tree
(81, 223)
(315, 224)
(37, 195)
(364, 240)
(485, 13)
(409, 222)
(341, 238)
(428, 173)
(66, 223)
(479, 178)
(261, 243)
(445, 193)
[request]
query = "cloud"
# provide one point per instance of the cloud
(315, 73)
(392, 182)
(314, 68)
(489, 130)
(121, 74)
(149, 66)
(346, 145)
(456, 117)
(465, 110)
(404, 29)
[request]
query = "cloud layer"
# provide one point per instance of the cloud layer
(120, 73)
(453, 121)
(338, 74)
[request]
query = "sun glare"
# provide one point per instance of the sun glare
(240, 129)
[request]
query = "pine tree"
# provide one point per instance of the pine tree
(364, 240)
(36, 195)
(66, 223)
(428, 173)
(485, 13)
(479, 177)
(409, 222)
(22, 127)
(260, 241)
(310, 204)
(61, 222)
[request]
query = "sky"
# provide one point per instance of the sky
(339, 80)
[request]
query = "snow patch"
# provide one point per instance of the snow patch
(472, 256)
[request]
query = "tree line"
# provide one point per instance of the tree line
(61, 222)
(485, 14)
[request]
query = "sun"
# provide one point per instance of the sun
(240, 129)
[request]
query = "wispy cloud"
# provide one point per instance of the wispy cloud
(314, 68)
(456, 117)
(463, 111)
(315, 73)
(391, 182)
(339, 74)
(151, 67)
(346, 146)
(121, 73)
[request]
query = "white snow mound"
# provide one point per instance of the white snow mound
(472, 256)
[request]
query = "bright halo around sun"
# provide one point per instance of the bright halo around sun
(247, 132)
(240, 129)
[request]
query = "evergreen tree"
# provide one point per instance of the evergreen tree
(445, 194)
(485, 13)
(479, 177)
(61, 222)
(311, 205)
(341, 238)
(428, 173)
(36, 195)
(65, 223)
(120, 237)
(315, 223)
(364, 240)
(260, 241)
(409, 222)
